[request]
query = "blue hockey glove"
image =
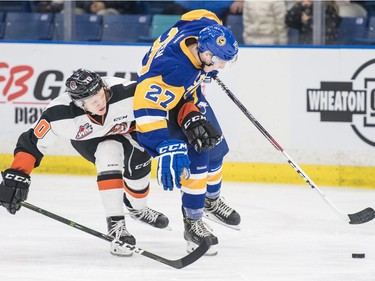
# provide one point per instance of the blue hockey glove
(13, 189)
(173, 163)
(211, 75)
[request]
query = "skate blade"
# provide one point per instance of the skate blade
(117, 254)
(215, 219)
(212, 251)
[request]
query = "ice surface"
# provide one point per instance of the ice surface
(288, 234)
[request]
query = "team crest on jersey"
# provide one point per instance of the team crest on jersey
(72, 85)
(221, 41)
(202, 107)
(84, 131)
(118, 129)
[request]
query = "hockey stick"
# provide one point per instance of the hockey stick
(363, 216)
(179, 263)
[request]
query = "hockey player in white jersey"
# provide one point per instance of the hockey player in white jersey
(96, 115)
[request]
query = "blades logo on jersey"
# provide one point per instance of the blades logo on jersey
(84, 131)
(118, 129)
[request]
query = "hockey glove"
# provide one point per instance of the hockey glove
(14, 189)
(200, 133)
(211, 75)
(173, 163)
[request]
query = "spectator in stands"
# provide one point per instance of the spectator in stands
(103, 8)
(49, 6)
(264, 22)
(300, 17)
(109, 7)
(56, 6)
(220, 8)
(350, 9)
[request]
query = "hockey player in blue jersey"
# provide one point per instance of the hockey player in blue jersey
(174, 127)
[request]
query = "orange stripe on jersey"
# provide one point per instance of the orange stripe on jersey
(95, 121)
(131, 129)
(194, 183)
(24, 162)
(137, 195)
(198, 14)
(110, 184)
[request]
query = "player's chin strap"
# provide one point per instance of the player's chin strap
(363, 216)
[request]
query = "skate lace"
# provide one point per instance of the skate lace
(199, 227)
(218, 206)
(146, 213)
(118, 230)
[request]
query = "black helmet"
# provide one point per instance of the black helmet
(83, 84)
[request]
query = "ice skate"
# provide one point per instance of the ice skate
(195, 232)
(150, 217)
(219, 212)
(117, 229)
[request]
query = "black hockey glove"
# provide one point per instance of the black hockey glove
(14, 189)
(199, 133)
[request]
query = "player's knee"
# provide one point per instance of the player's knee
(139, 170)
(109, 156)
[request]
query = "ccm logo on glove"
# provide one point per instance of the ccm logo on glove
(193, 119)
(199, 132)
(173, 163)
(172, 148)
(14, 189)
(18, 178)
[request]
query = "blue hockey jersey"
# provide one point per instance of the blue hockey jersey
(169, 73)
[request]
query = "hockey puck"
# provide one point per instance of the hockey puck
(358, 256)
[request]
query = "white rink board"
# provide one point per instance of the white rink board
(272, 83)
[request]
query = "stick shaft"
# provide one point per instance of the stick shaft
(66, 221)
(178, 264)
(279, 148)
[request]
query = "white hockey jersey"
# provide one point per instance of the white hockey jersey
(63, 119)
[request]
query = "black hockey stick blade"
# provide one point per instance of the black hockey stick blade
(179, 263)
(186, 260)
(363, 216)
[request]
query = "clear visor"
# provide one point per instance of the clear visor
(81, 102)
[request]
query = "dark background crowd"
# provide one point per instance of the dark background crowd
(253, 22)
